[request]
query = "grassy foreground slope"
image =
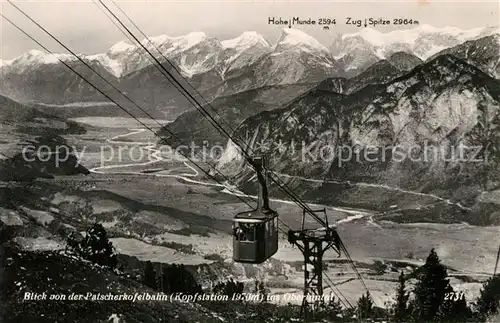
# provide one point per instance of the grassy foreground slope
(57, 273)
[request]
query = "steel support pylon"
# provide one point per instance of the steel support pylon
(313, 244)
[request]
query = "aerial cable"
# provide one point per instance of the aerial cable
(107, 15)
(132, 41)
(109, 98)
(297, 200)
(185, 92)
(158, 64)
(174, 67)
(286, 225)
(341, 243)
(104, 79)
(123, 94)
(338, 291)
(168, 62)
(346, 252)
(218, 126)
(329, 285)
(198, 105)
(215, 123)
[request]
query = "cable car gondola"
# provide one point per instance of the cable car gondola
(255, 232)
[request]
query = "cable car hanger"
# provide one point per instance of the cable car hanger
(255, 232)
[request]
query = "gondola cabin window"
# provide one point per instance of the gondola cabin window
(245, 232)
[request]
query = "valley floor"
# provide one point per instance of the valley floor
(162, 209)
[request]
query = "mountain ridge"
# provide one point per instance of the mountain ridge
(376, 38)
(483, 53)
(445, 103)
(212, 67)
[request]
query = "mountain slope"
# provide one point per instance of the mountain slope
(404, 61)
(39, 77)
(243, 50)
(212, 67)
(381, 72)
(32, 120)
(439, 105)
(193, 53)
(297, 58)
(358, 50)
(64, 274)
(193, 127)
(483, 53)
(423, 41)
(218, 68)
(356, 60)
(28, 134)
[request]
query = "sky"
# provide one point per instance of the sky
(84, 28)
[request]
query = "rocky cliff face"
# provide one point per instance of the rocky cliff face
(230, 111)
(483, 53)
(443, 104)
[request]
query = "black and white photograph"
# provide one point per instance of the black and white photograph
(249, 161)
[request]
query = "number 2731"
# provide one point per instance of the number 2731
(454, 296)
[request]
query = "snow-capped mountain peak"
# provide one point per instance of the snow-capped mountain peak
(156, 40)
(423, 41)
(197, 53)
(246, 40)
(182, 42)
(121, 47)
(34, 58)
(291, 37)
(378, 38)
(189, 40)
(453, 31)
(124, 57)
(243, 50)
(115, 59)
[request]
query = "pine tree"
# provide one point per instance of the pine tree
(334, 308)
(94, 247)
(97, 248)
(72, 244)
(365, 306)
(164, 280)
(188, 281)
(261, 290)
(489, 299)
(177, 279)
(430, 289)
(454, 309)
(228, 288)
(149, 278)
(445, 311)
(461, 311)
(401, 307)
